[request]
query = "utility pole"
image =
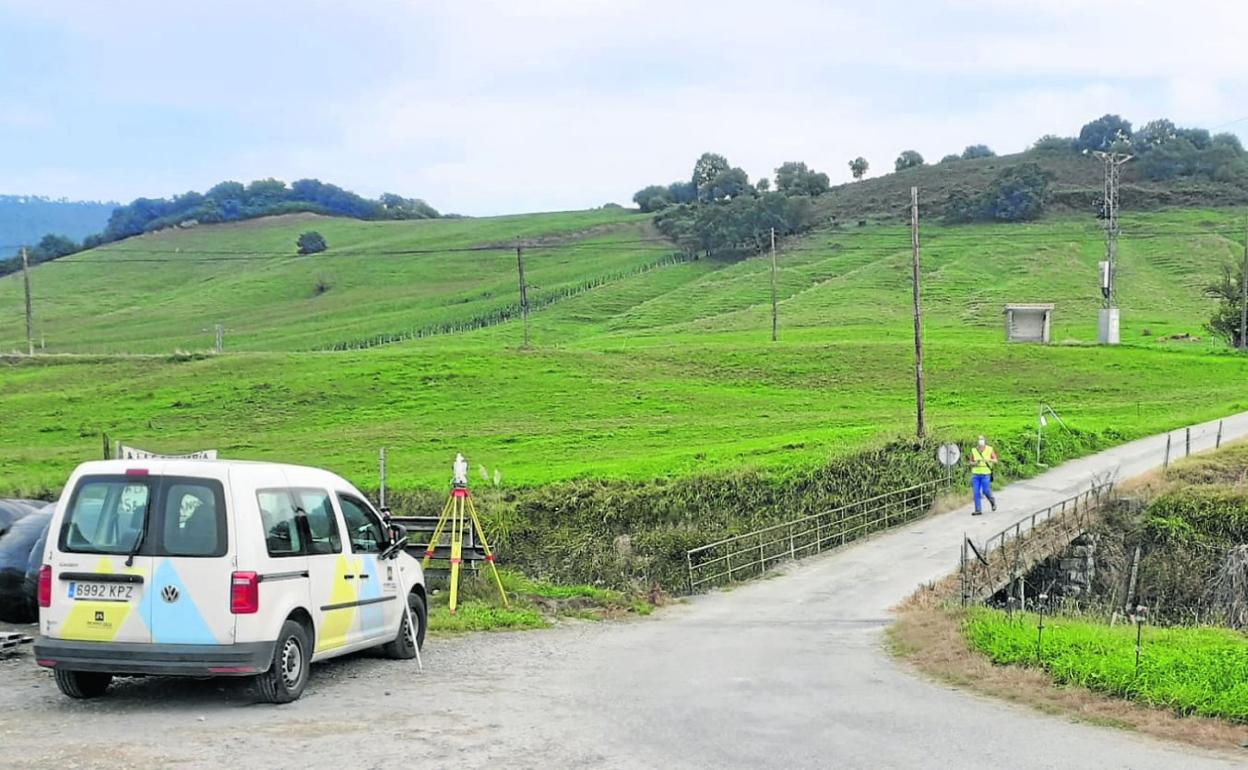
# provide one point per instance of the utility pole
(1243, 295)
(220, 341)
(775, 309)
(30, 311)
(524, 292)
(1108, 322)
(918, 314)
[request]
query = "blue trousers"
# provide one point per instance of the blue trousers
(981, 483)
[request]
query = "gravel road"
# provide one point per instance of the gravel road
(787, 671)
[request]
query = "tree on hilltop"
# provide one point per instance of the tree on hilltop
(908, 159)
(858, 167)
(1103, 133)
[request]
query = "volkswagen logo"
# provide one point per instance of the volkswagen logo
(169, 594)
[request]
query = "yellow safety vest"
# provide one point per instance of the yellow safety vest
(980, 460)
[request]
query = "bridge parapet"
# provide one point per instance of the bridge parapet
(988, 567)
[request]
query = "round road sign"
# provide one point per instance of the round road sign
(948, 455)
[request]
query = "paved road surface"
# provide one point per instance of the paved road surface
(781, 672)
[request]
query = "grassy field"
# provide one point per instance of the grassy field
(640, 366)
(1188, 670)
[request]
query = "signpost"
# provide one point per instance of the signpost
(948, 456)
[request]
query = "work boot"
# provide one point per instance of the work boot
(978, 513)
(993, 503)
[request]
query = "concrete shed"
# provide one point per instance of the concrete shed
(1028, 322)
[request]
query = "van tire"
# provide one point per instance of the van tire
(401, 647)
(82, 684)
(288, 673)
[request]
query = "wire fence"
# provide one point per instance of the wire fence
(750, 554)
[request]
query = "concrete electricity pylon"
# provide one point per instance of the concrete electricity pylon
(1107, 327)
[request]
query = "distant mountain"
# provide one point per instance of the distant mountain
(24, 219)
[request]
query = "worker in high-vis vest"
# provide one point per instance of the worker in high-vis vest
(983, 458)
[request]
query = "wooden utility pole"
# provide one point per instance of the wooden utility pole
(775, 309)
(524, 292)
(30, 312)
(1243, 295)
(918, 315)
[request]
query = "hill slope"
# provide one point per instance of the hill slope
(641, 364)
(1076, 187)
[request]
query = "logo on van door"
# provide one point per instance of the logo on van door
(169, 594)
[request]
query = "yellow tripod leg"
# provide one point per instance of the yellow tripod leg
(457, 545)
(437, 533)
(489, 555)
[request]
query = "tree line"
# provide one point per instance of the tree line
(228, 202)
(718, 210)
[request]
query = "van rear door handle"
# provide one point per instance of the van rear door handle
(348, 577)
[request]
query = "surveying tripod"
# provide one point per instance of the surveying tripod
(461, 514)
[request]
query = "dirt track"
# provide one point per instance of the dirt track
(787, 671)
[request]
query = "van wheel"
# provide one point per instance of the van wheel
(82, 684)
(288, 673)
(401, 648)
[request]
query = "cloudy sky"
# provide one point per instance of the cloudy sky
(497, 106)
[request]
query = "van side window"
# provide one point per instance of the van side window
(281, 525)
(364, 529)
(192, 520)
(322, 523)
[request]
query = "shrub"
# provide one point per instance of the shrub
(1053, 143)
(311, 242)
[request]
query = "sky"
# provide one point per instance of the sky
(504, 106)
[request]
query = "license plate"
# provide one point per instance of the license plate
(101, 592)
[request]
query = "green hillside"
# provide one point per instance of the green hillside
(642, 364)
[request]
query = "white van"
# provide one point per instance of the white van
(206, 567)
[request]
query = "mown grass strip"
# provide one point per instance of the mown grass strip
(1188, 670)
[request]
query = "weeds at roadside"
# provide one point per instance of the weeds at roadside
(533, 604)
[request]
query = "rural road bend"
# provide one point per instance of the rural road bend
(788, 671)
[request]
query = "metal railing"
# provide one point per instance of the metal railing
(1007, 553)
(751, 553)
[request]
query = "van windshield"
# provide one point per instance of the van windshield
(106, 514)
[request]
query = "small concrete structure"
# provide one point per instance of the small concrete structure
(1028, 323)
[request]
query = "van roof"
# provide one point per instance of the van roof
(190, 466)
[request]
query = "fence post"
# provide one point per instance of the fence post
(689, 564)
(762, 560)
(962, 569)
(818, 535)
(792, 551)
(1166, 464)
(1218, 443)
(381, 497)
(1189, 443)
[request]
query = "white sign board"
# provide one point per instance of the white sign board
(948, 455)
(131, 453)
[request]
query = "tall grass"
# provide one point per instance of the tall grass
(1187, 670)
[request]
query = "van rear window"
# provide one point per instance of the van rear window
(106, 515)
(151, 516)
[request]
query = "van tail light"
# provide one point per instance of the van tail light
(45, 585)
(244, 593)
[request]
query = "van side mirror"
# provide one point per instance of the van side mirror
(398, 541)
